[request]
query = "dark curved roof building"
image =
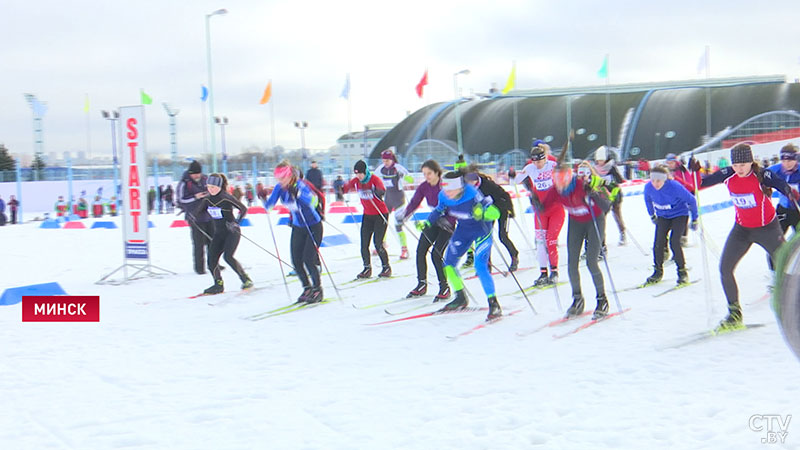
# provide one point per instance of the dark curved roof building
(646, 120)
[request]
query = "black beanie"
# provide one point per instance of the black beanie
(195, 167)
(741, 153)
(360, 167)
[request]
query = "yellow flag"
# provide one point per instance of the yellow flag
(86, 104)
(267, 93)
(512, 79)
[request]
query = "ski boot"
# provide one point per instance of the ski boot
(386, 272)
(543, 279)
(658, 273)
(460, 302)
(732, 322)
(470, 260)
(404, 252)
(444, 293)
(247, 283)
(421, 289)
(366, 273)
(553, 276)
(494, 309)
(576, 309)
(314, 295)
(683, 277)
(216, 288)
(601, 311)
(622, 239)
(304, 296)
(292, 273)
(514, 264)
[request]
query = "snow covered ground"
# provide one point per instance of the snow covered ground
(162, 371)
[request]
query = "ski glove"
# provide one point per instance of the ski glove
(422, 224)
(487, 214)
(596, 182)
(408, 179)
(694, 164)
(693, 226)
(233, 227)
(378, 193)
(400, 216)
(654, 219)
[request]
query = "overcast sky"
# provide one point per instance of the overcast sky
(63, 50)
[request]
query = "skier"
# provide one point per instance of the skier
(606, 168)
(549, 212)
(437, 235)
(393, 175)
(749, 186)
(306, 238)
(13, 205)
(97, 207)
(219, 205)
(61, 207)
(338, 184)
(471, 210)
(169, 201)
(788, 216)
(373, 223)
(192, 189)
(669, 205)
(2, 212)
(460, 163)
(586, 203)
(502, 200)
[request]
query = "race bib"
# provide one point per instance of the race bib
(215, 212)
(388, 182)
(578, 210)
(744, 201)
(543, 185)
(365, 194)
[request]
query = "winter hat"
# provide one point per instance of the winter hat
(741, 153)
(537, 142)
(389, 154)
(789, 151)
(360, 167)
(671, 157)
(537, 153)
(195, 167)
(601, 154)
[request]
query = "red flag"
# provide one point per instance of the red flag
(422, 83)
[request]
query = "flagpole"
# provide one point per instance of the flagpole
(88, 135)
(272, 121)
(608, 100)
(205, 126)
(708, 92)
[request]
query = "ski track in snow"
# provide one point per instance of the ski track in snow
(176, 373)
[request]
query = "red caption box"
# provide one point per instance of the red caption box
(61, 308)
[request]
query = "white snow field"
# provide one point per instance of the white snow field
(161, 371)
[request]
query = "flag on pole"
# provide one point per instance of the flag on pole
(702, 63)
(39, 108)
(203, 93)
(603, 72)
(146, 99)
(346, 89)
(267, 94)
(422, 83)
(86, 104)
(512, 79)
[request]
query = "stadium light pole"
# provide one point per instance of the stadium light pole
(457, 97)
(218, 12)
(112, 117)
(222, 122)
(302, 127)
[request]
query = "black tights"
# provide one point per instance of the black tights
(439, 237)
(304, 253)
(373, 226)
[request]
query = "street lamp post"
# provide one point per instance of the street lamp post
(112, 117)
(222, 122)
(218, 12)
(459, 138)
(302, 127)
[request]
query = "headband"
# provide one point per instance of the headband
(214, 180)
(283, 172)
(452, 184)
(658, 176)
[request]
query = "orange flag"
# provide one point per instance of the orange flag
(267, 93)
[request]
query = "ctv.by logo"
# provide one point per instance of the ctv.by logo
(775, 425)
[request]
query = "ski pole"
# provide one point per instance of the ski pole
(605, 258)
(275, 243)
(497, 247)
(350, 211)
(319, 254)
(521, 211)
(635, 242)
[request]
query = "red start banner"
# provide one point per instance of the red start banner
(61, 308)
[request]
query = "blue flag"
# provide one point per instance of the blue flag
(346, 89)
(204, 94)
